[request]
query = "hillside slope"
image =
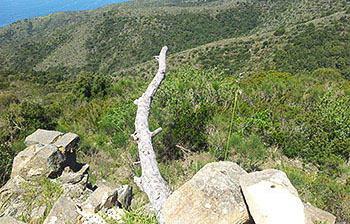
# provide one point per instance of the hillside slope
(123, 35)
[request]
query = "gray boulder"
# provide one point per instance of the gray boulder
(103, 197)
(38, 161)
(271, 198)
(74, 183)
(63, 211)
(213, 195)
(42, 136)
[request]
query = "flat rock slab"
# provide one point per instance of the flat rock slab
(67, 142)
(42, 136)
(316, 215)
(271, 198)
(63, 211)
(10, 220)
(213, 195)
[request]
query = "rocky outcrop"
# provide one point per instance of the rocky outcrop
(213, 195)
(271, 198)
(220, 192)
(50, 158)
(48, 152)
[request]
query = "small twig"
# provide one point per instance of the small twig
(136, 163)
(183, 149)
(155, 132)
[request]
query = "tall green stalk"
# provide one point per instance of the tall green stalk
(231, 124)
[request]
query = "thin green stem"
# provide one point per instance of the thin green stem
(231, 124)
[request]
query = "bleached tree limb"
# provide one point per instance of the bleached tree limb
(151, 181)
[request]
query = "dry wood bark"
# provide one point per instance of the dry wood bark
(151, 181)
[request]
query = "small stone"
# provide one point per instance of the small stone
(37, 213)
(103, 197)
(10, 220)
(63, 211)
(71, 177)
(208, 206)
(125, 196)
(316, 215)
(43, 137)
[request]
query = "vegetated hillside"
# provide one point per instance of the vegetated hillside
(319, 43)
(271, 76)
(112, 38)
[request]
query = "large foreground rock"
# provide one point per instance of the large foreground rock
(213, 195)
(271, 198)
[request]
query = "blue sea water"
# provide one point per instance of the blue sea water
(14, 10)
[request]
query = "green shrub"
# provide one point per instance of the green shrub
(325, 74)
(326, 132)
(187, 100)
(249, 152)
(6, 156)
(321, 191)
(118, 122)
(28, 116)
(313, 48)
(92, 85)
(280, 31)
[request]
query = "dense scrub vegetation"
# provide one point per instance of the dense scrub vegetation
(326, 47)
(101, 39)
(276, 99)
(301, 116)
(185, 30)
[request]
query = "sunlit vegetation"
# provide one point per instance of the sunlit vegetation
(289, 78)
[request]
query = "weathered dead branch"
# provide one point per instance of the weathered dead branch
(151, 181)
